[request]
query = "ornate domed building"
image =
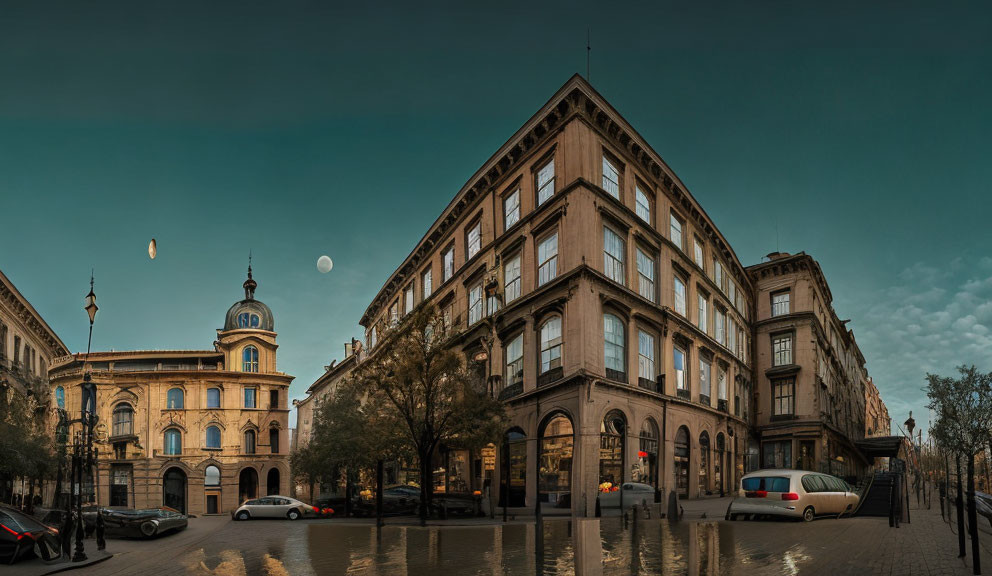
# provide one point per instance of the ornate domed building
(198, 430)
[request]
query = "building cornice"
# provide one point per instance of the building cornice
(25, 312)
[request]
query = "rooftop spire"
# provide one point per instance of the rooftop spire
(249, 284)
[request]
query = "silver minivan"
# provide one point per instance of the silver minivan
(792, 493)
(273, 507)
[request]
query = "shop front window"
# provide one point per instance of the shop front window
(777, 454)
(647, 454)
(612, 436)
(704, 462)
(682, 462)
(514, 455)
(555, 466)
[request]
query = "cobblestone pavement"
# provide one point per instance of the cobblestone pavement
(698, 545)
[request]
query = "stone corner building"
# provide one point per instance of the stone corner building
(28, 346)
(197, 430)
(631, 344)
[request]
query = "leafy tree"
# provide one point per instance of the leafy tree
(306, 466)
(416, 392)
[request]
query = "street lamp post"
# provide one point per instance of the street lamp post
(83, 453)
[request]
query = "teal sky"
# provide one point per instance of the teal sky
(296, 129)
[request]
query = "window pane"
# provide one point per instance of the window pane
(613, 336)
(645, 275)
(679, 295)
(475, 304)
(704, 377)
(676, 231)
(679, 365)
(699, 254)
(511, 277)
(213, 398)
(643, 207)
(511, 208)
(428, 284)
(546, 182)
(645, 352)
(547, 258)
(611, 178)
(551, 344)
(613, 256)
(474, 240)
(449, 263)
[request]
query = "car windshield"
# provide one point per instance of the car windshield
(766, 483)
(17, 521)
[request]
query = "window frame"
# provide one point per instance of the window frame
(672, 221)
(448, 263)
(702, 311)
(516, 281)
(252, 364)
(427, 283)
(683, 382)
(639, 206)
(476, 310)
(515, 195)
(209, 405)
(116, 425)
(646, 286)
(550, 263)
(607, 183)
(699, 253)
(646, 362)
(787, 293)
(165, 441)
(254, 397)
(550, 182)
(206, 443)
(169, 404)
(783, 337)
(473, 248)
(678, 280)
(552, 346)
(614, 267)
(618, 344)
(516, 365)
(780, 394)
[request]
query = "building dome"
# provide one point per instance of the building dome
(249, 314)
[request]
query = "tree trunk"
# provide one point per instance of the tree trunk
(959, 503)
(976, 557)
(426, 482)
(347, 493)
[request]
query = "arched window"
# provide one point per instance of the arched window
(704, 462)
(274, 440)
(211, 476)
(555, 481)
(213, 437)
(249, 441)
(213, 397)
(60, 397)
(718, 462)
(647, 453)
(246, 320)
(249, 359)
(551, 344)
(514, 459)
(612, 437)
(123, 420)
(173, 442)
(614, 348)
(174, 399)
(682, 461)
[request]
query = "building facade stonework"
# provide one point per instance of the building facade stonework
(616, 323)
(197, 430)
(27, 347)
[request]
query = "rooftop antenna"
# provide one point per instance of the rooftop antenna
(588, 52)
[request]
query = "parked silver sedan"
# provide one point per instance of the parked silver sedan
(274, 507)
(634, 494)
(792, 493)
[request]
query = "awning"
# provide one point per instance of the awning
(881, 446)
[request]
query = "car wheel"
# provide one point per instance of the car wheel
(148, 529)
(808, 514)
(243, 515)
(294, 514)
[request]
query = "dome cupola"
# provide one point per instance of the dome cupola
(249, 314)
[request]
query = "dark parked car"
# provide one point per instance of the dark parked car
(126, 522)
(22, 535)
(404, 500)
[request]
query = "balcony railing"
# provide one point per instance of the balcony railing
(616, 375)
(511, 390)
(704, 399)
(683, 393)
(721, 405)
(550, 376)
(647, 384)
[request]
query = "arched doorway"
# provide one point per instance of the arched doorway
(514, 461)
(554, 466)
(174, 489)
(211, 488)
(272, 482)
(247, 484)
(682, 462)
(612, 438)
(647, 453)
(704, 462)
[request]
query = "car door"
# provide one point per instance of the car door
(835, 496)
(815, 493)
(264, 507)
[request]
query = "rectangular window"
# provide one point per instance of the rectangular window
(676, 231)
(615, 352)
(427, 283)
(731, 291)
(678, 361)
(721, 383)
(515, 360)
(547, 259)
(551, 344)
(645, 355)
(475, 304)
(731, 335)
(701, 317)
(213, 397)
(679, 295)
(473, 240)
(698, 253)
(782, 350)
(250, 397)
(449, 263)
(780, 304)
(373, 337)
(611, 178)
(546, 182)
(643, 204)
(704, 379)
(408, 299)
(511, 279)
(613, 251)
(718, 273)
(719, 323)
(645, 275)
(783, 397)
(394, 313)
(511, 209)
(273, 399)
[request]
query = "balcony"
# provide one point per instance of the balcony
(647, 384)
(704, 399)
(616, 375)
(550, 376)
(512, 390)
(721, 405)
(683, 393)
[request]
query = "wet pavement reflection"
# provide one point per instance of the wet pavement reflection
(604, 546)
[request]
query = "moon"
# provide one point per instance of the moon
(152, 249)
(324, 264)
